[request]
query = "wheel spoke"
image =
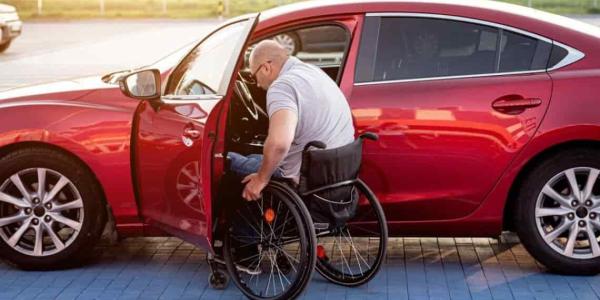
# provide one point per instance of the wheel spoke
(55, 239)
(558, 231)
(592, 239)
(357, 253)
(550, 192)
(12, 200)
(595, 201)
(289, 256)
(589, 186)
(571, 241)
(344, 260)
(573, 184)
(39, 242)
(41, 172)
(12, 219)
(259, 232)
(16, 237)
(548, 212)
(16, 180)
(78, 203)
(64, 220)
(56, 188)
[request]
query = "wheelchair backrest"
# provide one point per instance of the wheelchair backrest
(323, 167)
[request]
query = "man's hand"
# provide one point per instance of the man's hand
(254, 186)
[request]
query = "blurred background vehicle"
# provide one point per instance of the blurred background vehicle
(10, 25)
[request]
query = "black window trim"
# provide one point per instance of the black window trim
(573, 55)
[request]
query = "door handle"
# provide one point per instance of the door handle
(192, 133)
(515, 105)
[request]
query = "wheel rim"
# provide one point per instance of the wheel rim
(567, 213)
(287, 42)
(260, 272)
(352, 254)
(41, 212)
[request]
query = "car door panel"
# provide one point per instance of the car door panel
(174, 143)
(442, 146)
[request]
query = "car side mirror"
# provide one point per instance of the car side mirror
(143, 85)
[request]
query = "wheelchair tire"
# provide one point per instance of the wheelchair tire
(367, 228)
(269, 252)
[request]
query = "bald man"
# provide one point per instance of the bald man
(304, 104)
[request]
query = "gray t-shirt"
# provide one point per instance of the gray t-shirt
(323, 112)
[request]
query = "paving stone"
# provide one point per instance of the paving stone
(415, 268)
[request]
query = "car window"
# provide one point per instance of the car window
(202, 71)
(320, 45)
(402, 48)
(523, 53)
(557, 55)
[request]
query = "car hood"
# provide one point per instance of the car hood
(4, 8)
(60, 90)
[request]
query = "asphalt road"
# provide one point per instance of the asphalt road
(49, 51)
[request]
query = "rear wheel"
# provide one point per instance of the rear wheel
(51, 211)
(269, 245)
(558, 217)
(352, 255)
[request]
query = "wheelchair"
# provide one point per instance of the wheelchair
(331, 221)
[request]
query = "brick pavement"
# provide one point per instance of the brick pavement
(416, 268)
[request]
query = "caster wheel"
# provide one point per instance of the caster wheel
(218, 280)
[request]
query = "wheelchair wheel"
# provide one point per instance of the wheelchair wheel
(269, 245)
(351, 255)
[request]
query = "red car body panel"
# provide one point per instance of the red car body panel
(96, 129)
(469, 185)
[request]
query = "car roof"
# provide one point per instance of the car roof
(318, 8)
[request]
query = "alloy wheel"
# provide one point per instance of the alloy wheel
(287, 42)
(41, 212)
(567, 213)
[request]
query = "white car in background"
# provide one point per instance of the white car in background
(10, 26)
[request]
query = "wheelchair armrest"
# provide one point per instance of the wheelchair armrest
(316, 144)
(369, 135)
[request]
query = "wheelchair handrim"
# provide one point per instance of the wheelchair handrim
(287, 287)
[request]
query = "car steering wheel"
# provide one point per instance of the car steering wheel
(241, 89)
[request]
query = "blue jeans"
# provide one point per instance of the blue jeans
(246, 165)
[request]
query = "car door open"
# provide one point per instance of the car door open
(174, 136)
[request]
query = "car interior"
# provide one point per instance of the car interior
(247, 119)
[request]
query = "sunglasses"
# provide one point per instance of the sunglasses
(252, 78)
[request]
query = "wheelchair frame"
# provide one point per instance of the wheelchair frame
(219, 279)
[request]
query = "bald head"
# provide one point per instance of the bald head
(266, 61)
(268, 50)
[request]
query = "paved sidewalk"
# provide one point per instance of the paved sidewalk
(416, 268)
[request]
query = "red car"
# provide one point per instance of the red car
(488, 116)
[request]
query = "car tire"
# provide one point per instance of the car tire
(5, 46)
(560, 228)
(58, 227)
(290, 41)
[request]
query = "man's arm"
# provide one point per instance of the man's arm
(282, 128)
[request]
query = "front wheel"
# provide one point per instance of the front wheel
(51, 211)
(558, 217)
